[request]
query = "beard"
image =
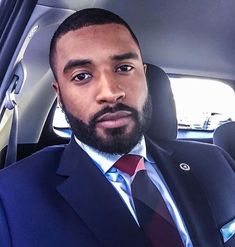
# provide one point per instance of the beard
(118, 140)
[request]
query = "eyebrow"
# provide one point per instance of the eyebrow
(128, 55)
(81, 62)
(75, 63)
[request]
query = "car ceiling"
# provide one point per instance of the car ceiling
(183, 36)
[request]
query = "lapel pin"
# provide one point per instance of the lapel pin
(184, 167)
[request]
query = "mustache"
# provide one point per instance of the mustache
(117, 107)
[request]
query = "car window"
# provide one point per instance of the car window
(60, 124)
(202, 104)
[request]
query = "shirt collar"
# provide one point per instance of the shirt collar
(105, 161)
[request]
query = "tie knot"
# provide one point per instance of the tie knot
(130, 164)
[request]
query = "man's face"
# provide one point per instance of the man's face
(102, 86)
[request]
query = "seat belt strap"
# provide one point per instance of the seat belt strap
(11, 154)
(10, 104)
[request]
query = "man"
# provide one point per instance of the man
(78, 195)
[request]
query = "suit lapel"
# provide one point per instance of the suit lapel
(190, 197)
(95, 200)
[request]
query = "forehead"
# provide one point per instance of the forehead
(94, 40)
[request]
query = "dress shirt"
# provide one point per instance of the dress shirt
(122, 184)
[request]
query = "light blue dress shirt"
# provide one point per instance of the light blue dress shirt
(121, 182)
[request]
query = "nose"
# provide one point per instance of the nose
(109, 90)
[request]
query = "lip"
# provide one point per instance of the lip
(114, 120)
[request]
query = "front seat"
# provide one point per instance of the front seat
(224, 137)
(164, 123)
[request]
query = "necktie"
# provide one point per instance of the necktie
(152, 213)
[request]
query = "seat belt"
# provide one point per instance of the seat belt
(9, 103)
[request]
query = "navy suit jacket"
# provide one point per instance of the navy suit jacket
(57, 197)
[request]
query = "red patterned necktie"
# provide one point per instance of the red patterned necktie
(152, 213)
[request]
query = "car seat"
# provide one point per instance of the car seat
(164, 123)
(224, 137)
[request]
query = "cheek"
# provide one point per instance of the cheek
(78, 104)
(143, 90)
(139, 93)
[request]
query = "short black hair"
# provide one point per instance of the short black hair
(85, 18)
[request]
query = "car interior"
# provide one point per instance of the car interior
(178, 39)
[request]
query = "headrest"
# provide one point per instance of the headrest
(164, 123)
(224, 137)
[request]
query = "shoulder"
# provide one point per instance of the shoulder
(196, 152)
(192, 147)
(45, 159)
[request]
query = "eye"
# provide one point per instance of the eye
(82, 77)
(124, 68)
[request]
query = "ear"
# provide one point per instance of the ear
(145, 67)
(56, 87)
